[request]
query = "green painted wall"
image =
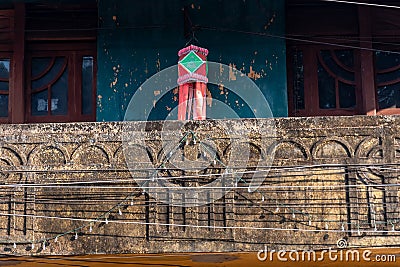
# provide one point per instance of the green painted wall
(139, 38)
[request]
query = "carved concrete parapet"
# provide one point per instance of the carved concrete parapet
(323, 179)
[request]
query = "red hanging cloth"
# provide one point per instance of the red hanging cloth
(192, 80)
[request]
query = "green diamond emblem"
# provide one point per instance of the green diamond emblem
(191, 62)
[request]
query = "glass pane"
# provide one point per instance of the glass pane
(386, 60)
(39, 65)
(389, 96)
(326, 89)
(4, 86)
(388, 88)
(298, 81)
(4, 106)
(4, 69)
(347, 95)
(388, 77)
(334, 67)
(59, 95)
(50, 76)
(39, 106)
(87, 85)
(346, 57)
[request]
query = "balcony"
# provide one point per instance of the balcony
(288, 183)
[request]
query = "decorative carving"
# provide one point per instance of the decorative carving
(288, 150)
(370, 147)
(48, 156)
(292, 197)
(90, 155)
(332, 148)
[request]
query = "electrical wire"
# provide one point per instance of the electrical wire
(362, 4)
(104, 216)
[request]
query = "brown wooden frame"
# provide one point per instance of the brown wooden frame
(19, 43)
(74, 52)
(312, 22)
(7, 55)
(311, 90)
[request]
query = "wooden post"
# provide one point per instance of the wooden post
(17, 99)
(367, 62)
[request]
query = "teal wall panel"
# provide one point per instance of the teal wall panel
(139, 38)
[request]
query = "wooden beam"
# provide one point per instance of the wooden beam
(367, 76)
(17, 100)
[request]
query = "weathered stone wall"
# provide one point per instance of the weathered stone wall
(60, 182)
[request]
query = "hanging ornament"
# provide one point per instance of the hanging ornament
(192, 80)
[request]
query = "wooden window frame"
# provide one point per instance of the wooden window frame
(19, 45)
(385, 111)
(7, 55)
(311, 87)
(75, 52)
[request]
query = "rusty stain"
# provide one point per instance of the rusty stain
(158, 64)
(209, 98)
(253, 75)
(221, 87)
(114, 83)
(270, 22)
(232, 75)
(157, 92)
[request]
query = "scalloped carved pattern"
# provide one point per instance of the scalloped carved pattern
(90, 155)
(136, 157)
(331, 149)
(9, 157)
(244, 154)
(48, 156)
(288, 149)
(370, 147)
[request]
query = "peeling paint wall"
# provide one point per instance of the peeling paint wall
(138, 39)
